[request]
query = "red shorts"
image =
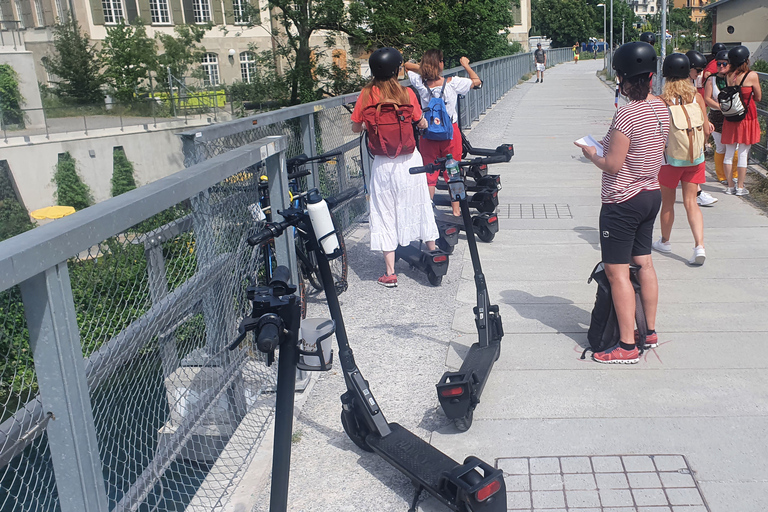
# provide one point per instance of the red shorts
(670, 176)
(432, 149)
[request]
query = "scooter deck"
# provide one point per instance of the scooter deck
(419, 460)
(480, 360)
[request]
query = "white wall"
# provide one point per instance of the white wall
(24, 64)
(155, 154)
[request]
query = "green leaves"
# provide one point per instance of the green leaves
(10, 96)
(127, 55)
(70, 189)
(122, 173)
(76, 65)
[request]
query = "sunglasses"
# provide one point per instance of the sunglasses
(722, 64)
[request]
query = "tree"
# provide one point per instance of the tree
(122, 173)
(180, 51)
(10, 96)
(127, 55)
(568, 21)
(76, 65)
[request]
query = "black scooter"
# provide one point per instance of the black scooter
(459, 392)
(433, 263)
(473, 486)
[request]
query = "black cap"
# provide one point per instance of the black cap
(676, 65)
(738, 56)
(635, 58)
(718, 47)
(648, 37)
(385, 62)
(697, 60)
(722, 55)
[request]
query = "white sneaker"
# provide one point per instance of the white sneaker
(705, 199)
(699, 255)
(730, 190)
(660, 246)
(742, 191)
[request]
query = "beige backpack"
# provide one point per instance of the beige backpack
(685, 144)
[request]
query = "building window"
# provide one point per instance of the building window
(242, 16)
(210, 65)
(113, 11)
(159, 12)
(202, 11)
(247, 66)
(340, 59)
(60, 11)
(19, 15)
(651, 8)
(39, 13)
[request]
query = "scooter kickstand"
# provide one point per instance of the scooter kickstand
(416, 499)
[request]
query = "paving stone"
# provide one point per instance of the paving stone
(545, 465)
(677, 479)
(649, 497)
(607, 464)
(684, 497)
(638, 463)
(546, 483)
(644, 480)
(517, 483)
(654, 509)
(575, 465)
(513, 466)
(669, 462)
(582, 499)
(616, 498)
(611, 481)
(518, 500)
(700, 508)
(579, 482)
(548, 499)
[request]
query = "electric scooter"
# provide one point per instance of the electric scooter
(471, 486)
(433, 263)
(459, 392)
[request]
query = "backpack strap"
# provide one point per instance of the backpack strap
(442, 89)
(689, 130)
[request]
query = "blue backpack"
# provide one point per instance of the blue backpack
(439, 124)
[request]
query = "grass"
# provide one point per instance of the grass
(757, 184)
(296, 437)
(525, 78)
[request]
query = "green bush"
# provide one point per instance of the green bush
(70, 189)
(760, 65)
(14, 218)
(10, 97)
(122, 173)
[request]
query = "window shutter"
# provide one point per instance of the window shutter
(26, 11)
(131, 13)
(144, 13)
(176, 16)
(189, 12)
(97, 10)
(6, 10)
(48, 16)
(218, 15)
(229, 12)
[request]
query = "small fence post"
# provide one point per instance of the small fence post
(309, 144)
(54, 338)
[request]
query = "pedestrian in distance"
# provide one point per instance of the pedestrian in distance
(427, 78)
(400, 207)
(712, 87)
(680, 90)
(540, 60)
(576, 51)
(633, 154)
(741, 134)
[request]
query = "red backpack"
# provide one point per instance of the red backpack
(390, 129)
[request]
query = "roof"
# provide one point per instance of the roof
(715, 4)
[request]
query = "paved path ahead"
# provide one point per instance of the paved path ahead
(570, 434)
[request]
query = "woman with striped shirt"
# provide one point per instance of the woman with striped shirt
(633, 154)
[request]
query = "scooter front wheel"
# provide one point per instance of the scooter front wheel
(462, 424)
(355, 431)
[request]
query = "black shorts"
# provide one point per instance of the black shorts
(626, 229)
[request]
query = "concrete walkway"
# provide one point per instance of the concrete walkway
(688, 420)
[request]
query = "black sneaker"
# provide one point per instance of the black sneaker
(537, 80)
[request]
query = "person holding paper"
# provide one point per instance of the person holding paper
(634, 152)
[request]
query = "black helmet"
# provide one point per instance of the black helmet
(385, 62)
(738, 56)
(717, 48)
(722, 55)
(648, 37)
(676, 65)
(635, 58)
(697, 60)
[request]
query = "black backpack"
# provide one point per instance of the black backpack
(604, 326)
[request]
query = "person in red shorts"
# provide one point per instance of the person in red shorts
(426, 77)
(678, 88)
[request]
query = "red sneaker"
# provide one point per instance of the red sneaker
(617, 355)
(388, 281)
(651, 340)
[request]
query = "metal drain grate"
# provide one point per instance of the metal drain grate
(534, 211)
(619, 483)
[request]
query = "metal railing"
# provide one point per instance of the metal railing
(759, 152)
(116, 390)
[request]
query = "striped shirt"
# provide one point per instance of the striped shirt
(646, 124)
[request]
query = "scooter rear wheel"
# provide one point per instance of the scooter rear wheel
(444, 246)
(355, 431)
(484, 234)
(434, 279)
(462, 424)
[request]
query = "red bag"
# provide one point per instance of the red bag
(390, 129)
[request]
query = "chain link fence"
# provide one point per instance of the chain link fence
(176, 416)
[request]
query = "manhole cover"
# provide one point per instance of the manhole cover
(534, 211)
(617, 483)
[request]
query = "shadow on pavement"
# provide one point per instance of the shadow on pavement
(589, 235)
(556, 312)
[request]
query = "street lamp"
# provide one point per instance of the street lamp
(605, 39)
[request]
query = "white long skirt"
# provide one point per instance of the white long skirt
(401, 210)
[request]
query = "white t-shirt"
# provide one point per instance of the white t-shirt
(457, 85)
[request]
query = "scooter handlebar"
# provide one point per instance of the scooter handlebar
(342, 197)
(427, 168)
(268, 338)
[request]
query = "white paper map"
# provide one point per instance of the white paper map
(590, 141)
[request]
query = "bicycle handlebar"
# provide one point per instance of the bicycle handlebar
(439, 164)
